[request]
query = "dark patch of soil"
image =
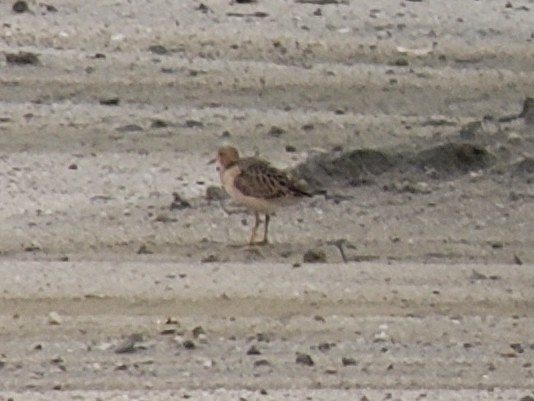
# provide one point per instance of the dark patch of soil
(440, 161)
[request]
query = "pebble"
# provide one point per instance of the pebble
(314, 256)
(20, 6)
(128, 345)
(348, 361)
(215, 193)
(54, 318)
(304, 359)
(22, 58)
(110, 101)
(253, 350)
(179, 203)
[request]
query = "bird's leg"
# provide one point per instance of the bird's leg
(266, 229)
(256, 225)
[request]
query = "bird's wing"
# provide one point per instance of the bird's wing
(259, 179)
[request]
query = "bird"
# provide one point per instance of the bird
(258, 185)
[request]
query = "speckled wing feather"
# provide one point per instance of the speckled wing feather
(260, 180)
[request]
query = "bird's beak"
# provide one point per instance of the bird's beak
(212, 161)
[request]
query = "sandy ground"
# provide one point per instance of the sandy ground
(400, 112)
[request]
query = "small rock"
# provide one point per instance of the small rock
(194, 124)
(54, 318)
(128, 345)
(513, 138)
(528, 110)
(110, 101)
(291, 149)
(276, 132)
(143, 250)
(253, 351)
(304, 359)
(129, 128)
(215, 193)
(208, 364)
(50, 8)
(517, 260)
(471, 130)
(203, 8)
(314, 256)
(325, 346)
(210, 259)
(330, 370)
(264, 337)
(477, 276)
(22, 58)
(198, 331)
(178, 202)
(20, 6)
(189, 344)
(527, 398)
(348, 361)
(158, 123)
(261, 362)
(166, 218)
(381, 337)
(73, 166)
(517, 348)
(158, 49)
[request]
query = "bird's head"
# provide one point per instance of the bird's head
(226, 156)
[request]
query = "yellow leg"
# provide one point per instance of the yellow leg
(266, 230)
(255, 229)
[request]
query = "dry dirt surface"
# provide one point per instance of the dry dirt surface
(411, 121)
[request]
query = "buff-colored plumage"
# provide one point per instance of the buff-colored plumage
(256, 184)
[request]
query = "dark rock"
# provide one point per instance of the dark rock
(314, 256)
(50, 8)
(194, 124)
(20, 6)
(198, 331)
(158, 49)
(290, 149)
(110, 101)
(189, 344)
(129, 128)
(215, 193)
(325, 346)
(210, 259)
(129, 344)
(178, 203)
(276, 132)
(203, 8)
(528, 110)
(157, 123)
(517, 348)
(348, 361)
(304, 359)
(253, 351)
(73, 166)
(261, 362)
(471, 130)
(22, 58)
(143, 250)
